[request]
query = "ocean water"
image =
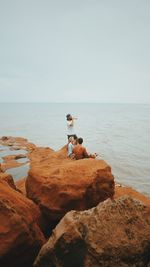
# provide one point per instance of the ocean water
(119, 133)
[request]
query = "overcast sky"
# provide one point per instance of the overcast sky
(75, 51)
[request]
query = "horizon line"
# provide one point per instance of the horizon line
(146, 103)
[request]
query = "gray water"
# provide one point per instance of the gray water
(119, 133)
(5, 150)
(19, 172)
(16, 172)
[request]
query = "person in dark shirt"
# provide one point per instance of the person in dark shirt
(80, 151)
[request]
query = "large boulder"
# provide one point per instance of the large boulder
(58, 184)
(20, 228)
(113, 234)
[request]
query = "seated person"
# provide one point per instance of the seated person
(71, 144)
(80, 152)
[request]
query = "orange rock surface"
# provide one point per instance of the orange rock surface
(7, 179)
(16, 143)
(113, 234)
(58, 184)
(20, 233)
(124, 190)
(10, 164)
(20, 185)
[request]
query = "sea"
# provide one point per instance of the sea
(118, 133)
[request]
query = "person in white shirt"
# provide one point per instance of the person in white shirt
(70, 126)
(72, 142)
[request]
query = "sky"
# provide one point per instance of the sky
(75, 51)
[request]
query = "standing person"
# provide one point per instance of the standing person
(80, 152)
(70, 126)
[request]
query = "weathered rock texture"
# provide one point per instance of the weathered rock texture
(20, 233)
(20, 185)
(7, 179)
(58, 184)
(125, 190)
(114, 234)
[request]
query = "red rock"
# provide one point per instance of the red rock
(20, 184)
(17, 142)
(124, 190)
(8, 179)
(10, 164)
(10, 161)
(58, 184)
(114, 234)
(40, 153)
(4, 138)
(20, 233)
(0, 168)
(14, 157)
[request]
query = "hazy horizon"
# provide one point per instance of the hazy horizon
(93, 51)
(79, 102)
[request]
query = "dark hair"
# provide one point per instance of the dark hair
(68, 117)
(75, 137)
(80, 140)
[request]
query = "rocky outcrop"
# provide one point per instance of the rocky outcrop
(20, 185)
(121, 190)
(58, 184)
(20, 228)
(7, 179)
(113, 234)
(17, 143)
(10, 164)
(13, 157)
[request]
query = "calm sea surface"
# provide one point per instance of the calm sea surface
(119, 133)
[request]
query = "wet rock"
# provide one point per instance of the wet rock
(10, 161)
(9, 164)
(114, 234)
(17, 143)
(14, 157)
(4, 138)
(15, 148)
